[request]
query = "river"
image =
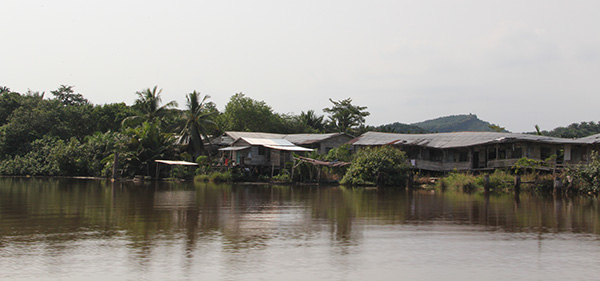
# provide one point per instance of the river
(68, 229)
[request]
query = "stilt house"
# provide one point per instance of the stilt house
(481, 150)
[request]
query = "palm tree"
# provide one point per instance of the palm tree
(197, 120)
(148, 107)
(312, 120)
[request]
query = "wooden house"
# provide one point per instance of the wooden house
(322, 143)
(464, 151)
(261, 153)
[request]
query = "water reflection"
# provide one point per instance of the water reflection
(245, 226)
(245, 215)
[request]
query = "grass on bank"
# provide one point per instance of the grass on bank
(217, 177)
(499, 181)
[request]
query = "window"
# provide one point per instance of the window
(545, 153)
(492, 153)
(262, 150)
(463, 156)
(502, 153)
(517, 153)
(436, 155)
(450, 156)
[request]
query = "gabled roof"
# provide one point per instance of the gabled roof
(452, 140)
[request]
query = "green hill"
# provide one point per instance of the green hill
(400, 128)
(457, 123)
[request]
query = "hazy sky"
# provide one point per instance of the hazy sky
(513, 63)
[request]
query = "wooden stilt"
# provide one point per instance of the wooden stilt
(115, 172)
(517, 184)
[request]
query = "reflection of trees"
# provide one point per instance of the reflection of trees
(250, 218)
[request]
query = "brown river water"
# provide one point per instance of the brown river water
(66, 229)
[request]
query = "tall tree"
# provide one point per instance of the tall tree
(344, 116)
(245, 114)
(311, 120)
(143, 145)
(67, 96)
(198, 119)
(148, 108)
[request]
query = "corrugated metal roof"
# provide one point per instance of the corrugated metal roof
(309, 138)
(279, 144)
(256, 135)
(289, 148)
(259, 141)
(593, 139)
(174, 162)
(297, 139)
(234, 148)
(452, 140)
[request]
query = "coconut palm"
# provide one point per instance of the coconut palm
(197, 121)
(312, 120)
(148, 107)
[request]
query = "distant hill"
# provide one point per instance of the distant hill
(454, 123)
(400, 128)
(457, 123)
(470, 122)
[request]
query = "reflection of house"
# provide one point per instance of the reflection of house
(321, 142)
(481, 150)
(273, 153)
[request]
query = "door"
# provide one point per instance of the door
(475, 160)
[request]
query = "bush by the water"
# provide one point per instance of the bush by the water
(588, 176)
(282, 178)
(383, 165)
(465, 181)
(459, 181)
(215, 177)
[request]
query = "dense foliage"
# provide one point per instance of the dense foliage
(575, 130)
(63, 134)
(588, 175)
(379, 166)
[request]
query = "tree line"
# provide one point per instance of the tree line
(64, 134)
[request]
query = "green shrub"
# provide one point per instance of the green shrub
(383, 165)
(203, 164)
(588, 176)
(202, 178)
(525, 164)
(182, 172)
(282, 178)
(458, 181)
(500, 179)
(221, 176)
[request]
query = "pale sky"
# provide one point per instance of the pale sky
(513, 63)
